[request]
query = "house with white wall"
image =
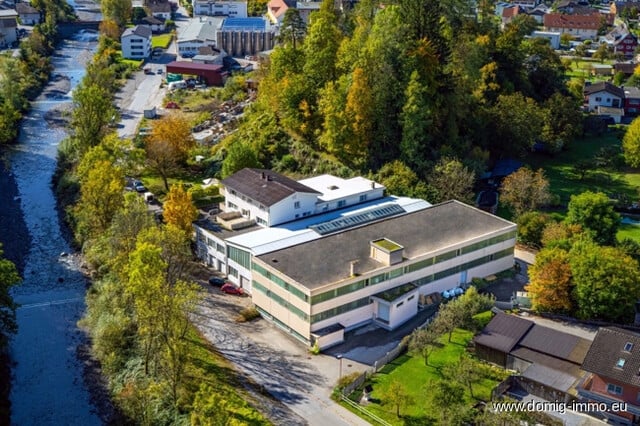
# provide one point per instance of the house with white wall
(161, 9)
(136, 42)
(28, 14)
(603, 94)
(230, 8)
(580, 27)
(199, 33)
(8, 27)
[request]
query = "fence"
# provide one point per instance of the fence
(380, 363)
(364, 411)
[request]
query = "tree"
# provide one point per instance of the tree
(321, 46)
(525, 190)
(210, 408)
(424, 341)
(562, 121)
(452, 181)
(550, 281)
(292, 29)
(416, 121)
(117, 10)
(448, 397)
(397, 395)
(607, 282)
(530, 228)
(401, 180)
(518, 123)
(464, 372)
(8, 278)
(92, 113)
(239, 156)
(179, 209)
(595, 214)
(168, 145)
(602, 53)
(560, 234)
(631, 144)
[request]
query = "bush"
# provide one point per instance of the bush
(530, 227)
(248, 314)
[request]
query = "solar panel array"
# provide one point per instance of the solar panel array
(244, 24)
(339, 224)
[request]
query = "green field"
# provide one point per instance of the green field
(615, 180)
(415, 377)
(161, 40)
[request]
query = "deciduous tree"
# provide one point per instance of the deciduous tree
(178, 209)
(530, 228)
(8, 278)
(239, 156)
(525, 190)
(550, 282)
(92, 113)
(594, 212)
(631, 144)
(424, 341)
(607, 282)
(397, 396)
(452, 181)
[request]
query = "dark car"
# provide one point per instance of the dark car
(139, 186)
(231, 289)
(217, 281)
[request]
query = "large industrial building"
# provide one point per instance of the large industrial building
(325, 255)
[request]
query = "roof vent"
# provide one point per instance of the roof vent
(333, 187)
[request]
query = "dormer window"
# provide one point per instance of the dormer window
(620, 362)
(628, 346)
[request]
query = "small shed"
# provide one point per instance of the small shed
(212, 75)
(150, 113)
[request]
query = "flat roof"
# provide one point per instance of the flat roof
(266, 240)
(334, 188)
(244, 24)
(327, 260)
(8, 13)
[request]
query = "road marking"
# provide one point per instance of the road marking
(51, 303)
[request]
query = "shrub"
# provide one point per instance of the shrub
(248, 314)
(315, 349)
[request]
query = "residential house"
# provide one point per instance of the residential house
(526, 4)
(622, 40)
(136, 42)
(500, 6)
(159, 8)
(509, 13)
(631, 100)
(157, 25)
(305, 8)
(277, 8)
(627, 68)
(613, 362)
(547, 360)
(278, 239)
(603, 94)
(230, 8)
(27, 14)
(581, 27)
(8, 27)
(538, 13)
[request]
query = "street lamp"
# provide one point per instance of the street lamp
(340, 358)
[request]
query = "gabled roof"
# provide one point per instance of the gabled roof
(26, 9)
(503, 332)
(279, 7)
(604, 86)
(158, 6)
(264, 186)
(583, 22)
(152, 20)
(510, 12)
(556, 343)
(607, 356)
(138, 30)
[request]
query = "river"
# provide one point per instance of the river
(48, 385)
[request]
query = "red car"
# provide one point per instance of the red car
(172, 105)
(231, 289)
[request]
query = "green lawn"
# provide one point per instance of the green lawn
(415, 376)
(582, 69)
(161, 40)
(629, 231)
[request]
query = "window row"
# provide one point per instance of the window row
(280, 282)
(280, 300)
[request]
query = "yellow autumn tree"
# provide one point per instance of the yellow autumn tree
(551, 283)
(179, 210)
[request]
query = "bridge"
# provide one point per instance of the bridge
(67, 29)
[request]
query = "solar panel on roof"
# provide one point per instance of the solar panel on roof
(357, 219)
(244, 24)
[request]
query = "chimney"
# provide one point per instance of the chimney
(263, 177)
(352, 268)
(373, 185)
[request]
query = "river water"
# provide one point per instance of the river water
(47, 384)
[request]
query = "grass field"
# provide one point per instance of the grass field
(161, 40)
(615, 182)
(582, 69)
(415, 377)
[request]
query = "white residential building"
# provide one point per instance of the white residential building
(8, 27)
(136, 42)
(230, 8)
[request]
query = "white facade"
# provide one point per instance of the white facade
(8, 27)
(230, 8)
(136, 42)
(199, 33)
(554, 38)
(604, 99)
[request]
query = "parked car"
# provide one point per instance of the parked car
(172, 105)
(217, 281)
(231, 289)
(148, 71)
(139, 186)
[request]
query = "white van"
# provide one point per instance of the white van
(178, 85)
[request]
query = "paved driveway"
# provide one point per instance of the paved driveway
(288, 384)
